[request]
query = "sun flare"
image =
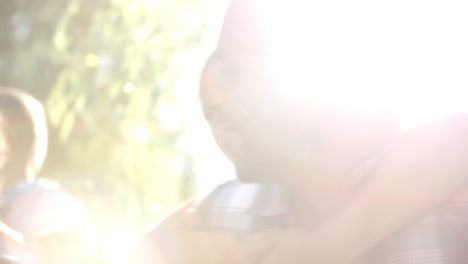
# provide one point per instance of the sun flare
(406, 56)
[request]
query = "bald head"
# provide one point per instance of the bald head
(266, 133)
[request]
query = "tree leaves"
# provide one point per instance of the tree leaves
(105, 70)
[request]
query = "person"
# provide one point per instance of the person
(392, 212)
(26, 135)
(8, 236)
(53, 224)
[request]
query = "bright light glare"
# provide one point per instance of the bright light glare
(407, 56)
(156, 208)
(115, 247)
(142, 134)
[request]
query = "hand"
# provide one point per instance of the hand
(298, 246)
(279, 247)
(176, 240)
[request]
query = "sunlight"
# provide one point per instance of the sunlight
(115, 247)
(406, 56)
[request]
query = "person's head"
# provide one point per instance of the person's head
(268, 135)
(25, 132)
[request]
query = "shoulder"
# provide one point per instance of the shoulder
(446, 133)
(37, 208)
(438, 149)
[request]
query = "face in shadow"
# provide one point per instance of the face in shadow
(269, 135)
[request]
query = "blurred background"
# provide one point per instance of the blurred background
(118, 79)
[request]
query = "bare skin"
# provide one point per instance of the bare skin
(424, 169)
(421, 170)
(268, 137)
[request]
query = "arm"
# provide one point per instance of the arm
(177, 240)
(423, 169)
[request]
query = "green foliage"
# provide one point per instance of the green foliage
(106, 71)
